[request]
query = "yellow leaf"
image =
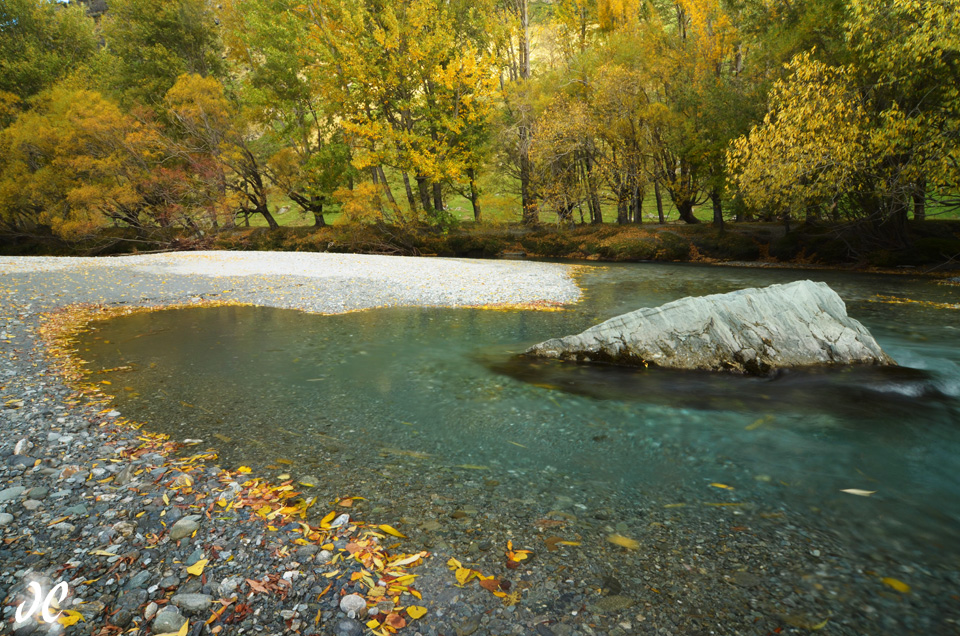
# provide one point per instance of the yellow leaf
(820, 625)
(568, 543)
(899, 586)
(857, 491)
(244, 470)
(391, 530)
(464, 575)
(454, 564)
(70, 617)
(415, 611)
(715, 485)
(325, 522)
(373, 623)
(623, 542)
(102, 553)
(166, 500)
(197, 568)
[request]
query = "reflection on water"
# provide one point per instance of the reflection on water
(446, 384)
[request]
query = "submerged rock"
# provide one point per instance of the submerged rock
(748, 331)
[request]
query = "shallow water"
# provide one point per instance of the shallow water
(443, 388)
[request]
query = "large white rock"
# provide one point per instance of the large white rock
(748, 331)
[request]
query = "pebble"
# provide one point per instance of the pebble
(168, 620)
(192, 602)
(185, 527)
(352, 605)
(5, 518)
(11, 493)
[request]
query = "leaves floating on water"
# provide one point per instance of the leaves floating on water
(623, 542)
(857, 491)
(899, 586)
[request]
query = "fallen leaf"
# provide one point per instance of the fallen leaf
(899, 586)
(102, 553)
(197, 568)
(491, 584)
(716, 485)
(70, 617)
(244, 470)
(392, 531)
(395, 621)
(415, 611)
(623, 542)
(857, 491)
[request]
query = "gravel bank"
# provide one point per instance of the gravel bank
(326, 283)
(135, 524)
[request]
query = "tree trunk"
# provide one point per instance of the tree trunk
(318, 220)
(387, 189)
(531, 215)
(717, 209)
(424, 191)
(656, 193)
(920, 201)
(411, 199)
(685, 208)
(265, 212)
(474, 195)
(437, 197)
(623, 208)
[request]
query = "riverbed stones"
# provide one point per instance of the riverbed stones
(11, 493)
(192, 602)
(185, 527)
(352, 605)
(167, 620)
(750, 331)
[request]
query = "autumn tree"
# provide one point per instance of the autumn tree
(76, 162)
(210, 132)
(413, 83)
(282, 86)
(866, 139)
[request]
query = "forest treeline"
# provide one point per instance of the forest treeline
(190, 115)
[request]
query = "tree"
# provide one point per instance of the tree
(41, 42)
(869, 138)
(75, 162)
(212, 134)
(283, 89)
(150, 43)
(808, 150)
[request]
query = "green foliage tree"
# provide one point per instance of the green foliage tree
(148, 44)
(40, 42)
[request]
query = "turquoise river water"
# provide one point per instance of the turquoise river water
(444, 388)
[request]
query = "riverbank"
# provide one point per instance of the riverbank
(929, 247)
(731, 566)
